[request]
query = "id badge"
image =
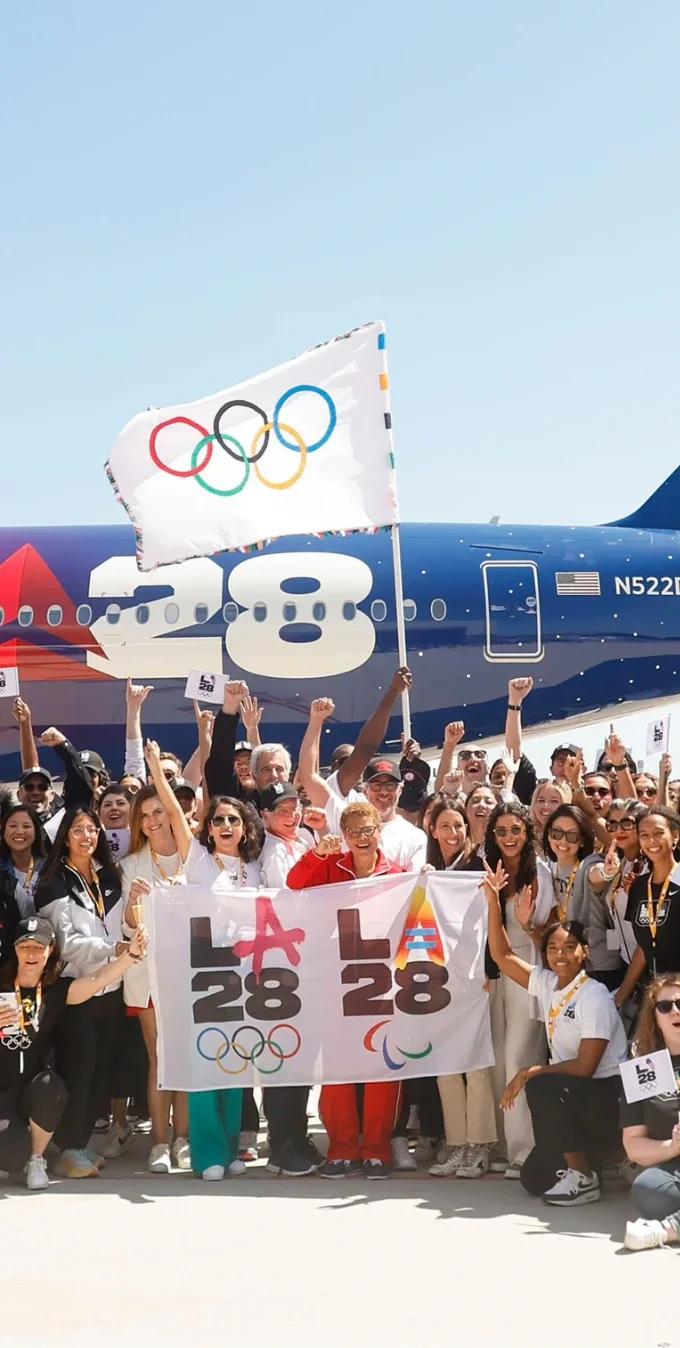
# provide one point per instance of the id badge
(613, 938)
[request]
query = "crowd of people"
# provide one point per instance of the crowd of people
(582, 961)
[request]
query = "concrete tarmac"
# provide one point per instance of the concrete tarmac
(136, 1259)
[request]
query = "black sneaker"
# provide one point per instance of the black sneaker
(334, 1170)
(308, 1148)
(290, 1161)
(374, 1169)
(355, 1167)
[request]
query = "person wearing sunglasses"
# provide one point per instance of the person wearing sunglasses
(654, 900)
(574, 1099)
(518, 1037)
(651, 1131)
(598, 791)
(568, 846)
(611, 939)
(647, 788)
(353, 1147)
(79, 892)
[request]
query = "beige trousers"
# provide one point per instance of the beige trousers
(518, 1041)
(468, 1108)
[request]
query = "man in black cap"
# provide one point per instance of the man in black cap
(559, 760)
(35, 789)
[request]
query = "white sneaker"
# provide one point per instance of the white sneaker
(181, 1156)
(425, 1150)
(450, 1165)
(572, 1189)
(35, 1171)
(401, 1156)
(213, 1172)
(237, 1167)
(476, 1161)
(116, 1140)
(159, 1162)
(644, 1235)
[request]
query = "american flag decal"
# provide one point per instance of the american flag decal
(577, 582)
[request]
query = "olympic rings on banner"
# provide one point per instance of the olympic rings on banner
(249, 1055)
(305, 388)
(224, 440)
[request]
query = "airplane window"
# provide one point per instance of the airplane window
(142, 613)
(83, 615)
(171, 613)
(410, 610)
(349, 611)
(230, 612)
(113, 614)
(25, 615)
(379, 610)
(290, 612)
(201, 613)
(438, 610)
(260, 613)
(55, 615)
(319, 612)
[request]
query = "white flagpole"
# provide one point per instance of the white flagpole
(401, 625)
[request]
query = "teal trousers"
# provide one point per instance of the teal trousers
(214, 1126)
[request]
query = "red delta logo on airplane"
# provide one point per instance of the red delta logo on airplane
(25, 581)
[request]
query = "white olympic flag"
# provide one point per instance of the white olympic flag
(373, 980)
(305, 448)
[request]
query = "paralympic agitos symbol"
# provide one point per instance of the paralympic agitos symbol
(224, 440)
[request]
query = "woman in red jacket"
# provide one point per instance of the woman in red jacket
(353, 857)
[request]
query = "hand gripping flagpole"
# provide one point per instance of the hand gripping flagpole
(396, 542)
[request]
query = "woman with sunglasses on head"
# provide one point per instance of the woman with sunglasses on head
(574, 1099)
(611, 939)
(466, 1098)
(23, 848)
(654, 900)
(223, 857)
(153, 859)
(518, 1037)
(651, 1131)
(79, 892)
(568, 848)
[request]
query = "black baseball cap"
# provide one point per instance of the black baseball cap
(564, 749)
(35, 772)
(414, 792)
(243, 747)
(92, 760)
(35, 929)
(275, 793)
(182, 784)
(382, 767)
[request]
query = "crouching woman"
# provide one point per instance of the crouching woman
(574, 1100)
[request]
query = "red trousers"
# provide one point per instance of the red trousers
(338, 1109)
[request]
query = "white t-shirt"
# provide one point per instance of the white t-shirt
(136, 986)
(404, 843)
(590, 1013)
(202, 869)
(279, 855)
(337, 801)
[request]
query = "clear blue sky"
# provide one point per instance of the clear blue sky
(194, 192)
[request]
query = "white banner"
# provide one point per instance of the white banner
(305, 448)
(374, 980)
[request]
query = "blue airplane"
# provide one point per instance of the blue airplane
(590, 613)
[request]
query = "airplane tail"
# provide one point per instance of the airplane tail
(660, 511)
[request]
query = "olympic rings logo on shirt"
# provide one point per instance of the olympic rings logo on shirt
(209, 438)
(252, 1054)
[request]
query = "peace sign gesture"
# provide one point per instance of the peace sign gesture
(494, 881)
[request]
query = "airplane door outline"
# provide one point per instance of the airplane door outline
(494, 581)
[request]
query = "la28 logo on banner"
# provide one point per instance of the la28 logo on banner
(264, 994)
(420, 983)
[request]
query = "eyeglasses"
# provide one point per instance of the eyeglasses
(368, 831)
(220, 819)
(597, 790)
(36, 785)
(626, 825)
(572, 835)
(512, 832)
(85, 832)
(667, 1004)
(646, 791)
(471, 753)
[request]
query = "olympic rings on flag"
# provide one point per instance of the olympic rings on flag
(249, 1055)
(208, 439)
